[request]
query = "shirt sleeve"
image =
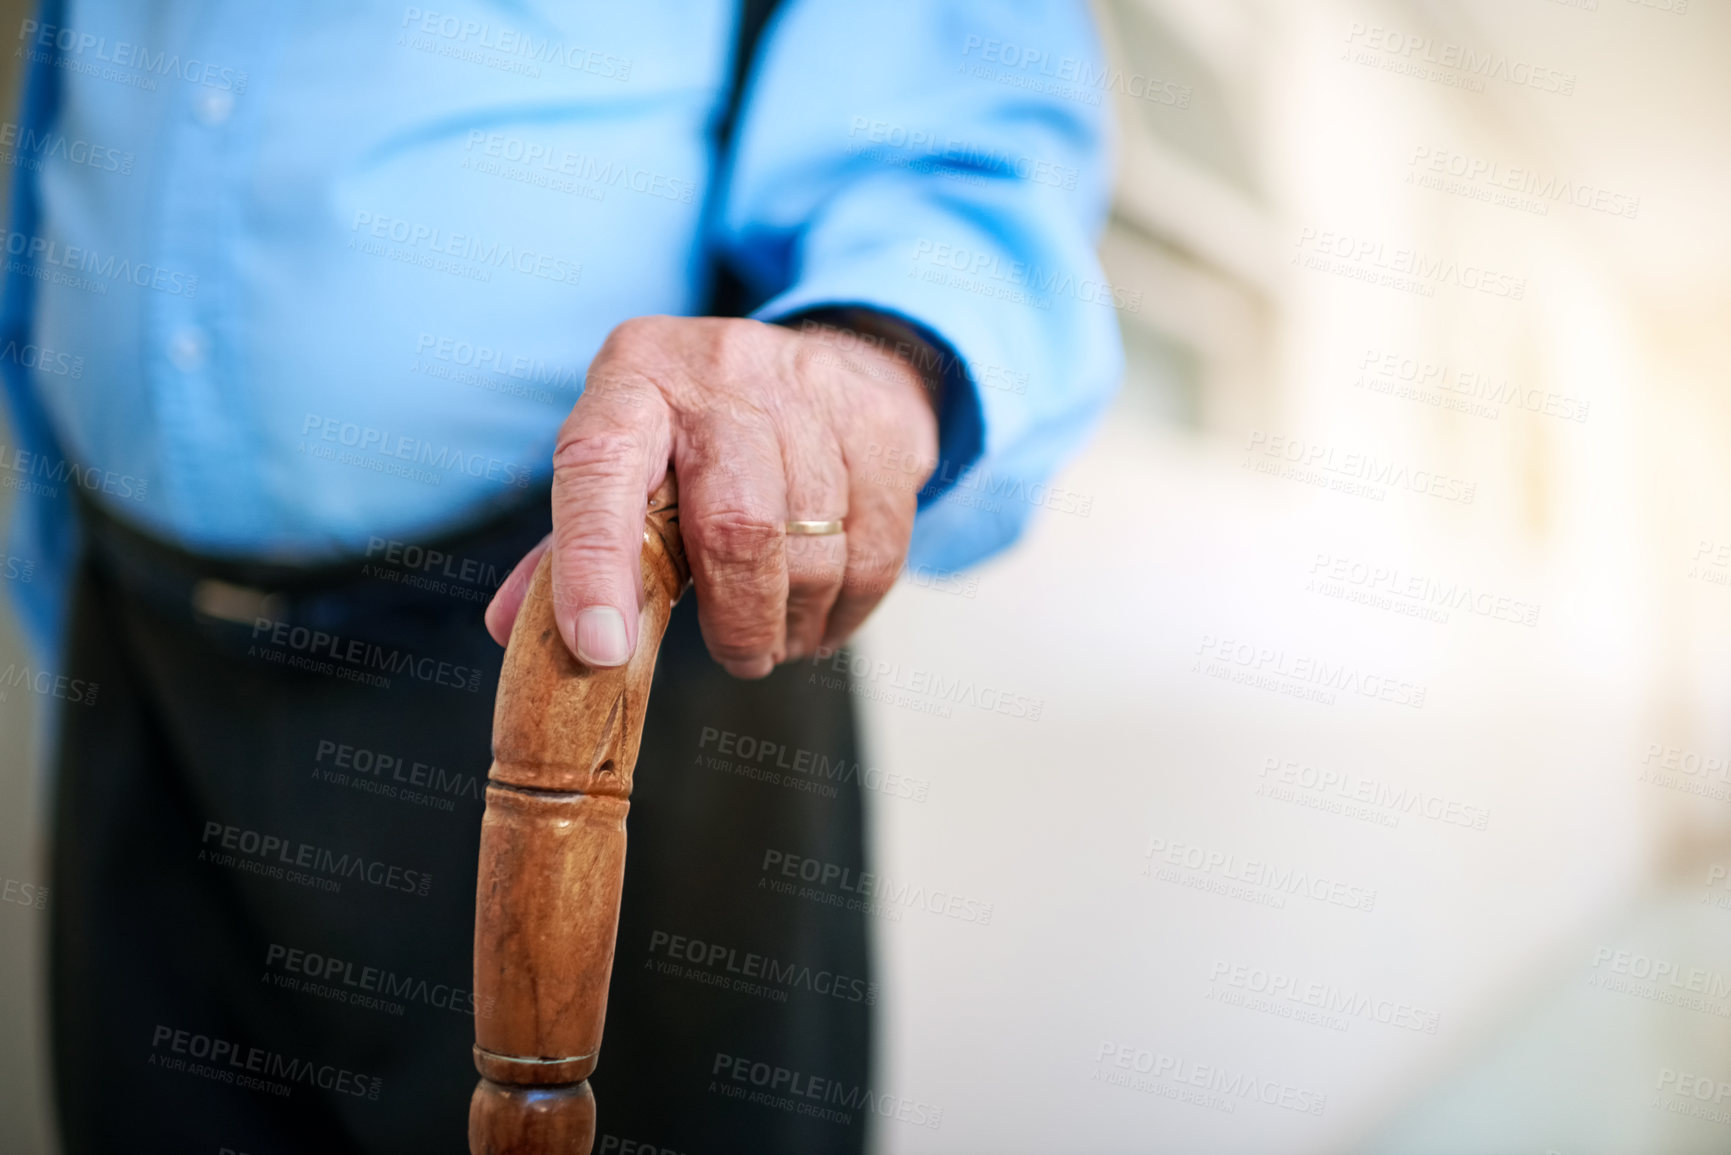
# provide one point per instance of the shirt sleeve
(43, 533)
(944, 162)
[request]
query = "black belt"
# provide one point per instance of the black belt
(388, 592)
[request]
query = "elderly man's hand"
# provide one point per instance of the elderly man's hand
(763, 425)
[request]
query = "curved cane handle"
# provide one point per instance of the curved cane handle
(565, 739)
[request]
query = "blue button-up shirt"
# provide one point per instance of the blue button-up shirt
(284, 277)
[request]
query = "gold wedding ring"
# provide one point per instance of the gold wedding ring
(814, 528)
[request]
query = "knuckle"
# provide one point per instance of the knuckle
(737, 343)
(598, 451)
(736, 539)
(725, 411)
(742, 355)
(636, 333)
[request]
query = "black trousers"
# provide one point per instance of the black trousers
(264, 849)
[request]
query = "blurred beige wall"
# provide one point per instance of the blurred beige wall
(1267, 225)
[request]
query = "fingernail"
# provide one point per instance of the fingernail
(601, 637)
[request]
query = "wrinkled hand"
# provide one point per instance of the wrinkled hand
(762, 425)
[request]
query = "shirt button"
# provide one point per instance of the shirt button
(186, 350)
(214, 105)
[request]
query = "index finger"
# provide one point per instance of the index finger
(612, 451)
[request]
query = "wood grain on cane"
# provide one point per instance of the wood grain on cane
(565, 739)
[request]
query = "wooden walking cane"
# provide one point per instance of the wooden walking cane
(565, 740)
